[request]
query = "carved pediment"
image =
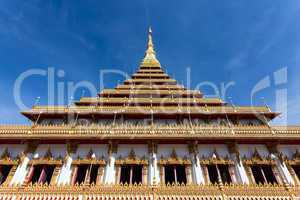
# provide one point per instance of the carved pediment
(132, 158)
(132, 155)
(91, 154)
(296, 155)
(295, 160)
(215, 155)
(5, 155)
(89, 159)
(174, 159)
(215, 158)
(173, 155)
(48, 155)
(258, 159)
(256, 155)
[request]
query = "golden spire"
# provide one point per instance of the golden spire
(150, 50)
(150, 53)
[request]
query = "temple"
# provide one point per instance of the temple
(149, 138)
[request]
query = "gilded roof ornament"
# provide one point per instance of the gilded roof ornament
(150, 55)
(5, 155)
(48, 154)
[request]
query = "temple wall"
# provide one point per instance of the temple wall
(247, 150)
(206, 151)
(140, 150)
(98, 149)
(288, 150)
(166, 150)
(57, 150)
(13, 149)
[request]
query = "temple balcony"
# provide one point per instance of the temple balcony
(175, 132)
(139, 192)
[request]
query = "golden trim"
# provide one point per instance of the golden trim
(88, 161)
(210, 192)
(43, 161)
(216, 162)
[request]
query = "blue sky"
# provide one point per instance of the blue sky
(236, 41)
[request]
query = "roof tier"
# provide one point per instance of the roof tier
(150, 92)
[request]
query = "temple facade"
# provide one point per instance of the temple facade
(149, 138)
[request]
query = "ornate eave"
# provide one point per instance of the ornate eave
(202, 133)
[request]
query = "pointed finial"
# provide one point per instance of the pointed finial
(150, 53)
(150, 57)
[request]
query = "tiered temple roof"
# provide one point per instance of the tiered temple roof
(150, 92)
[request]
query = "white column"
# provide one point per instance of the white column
(66, 171)
(21, 172)
(197, 171)
(240, 169)
(153, 171)
(283, 170)
(110, 172)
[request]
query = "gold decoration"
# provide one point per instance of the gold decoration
(132, 159)
(175, 191)
(72, 147)
(48, 154)
(174, 159)
(132, 155)
(90, 154)
(174, 155)
(258, 159)
(5, 155)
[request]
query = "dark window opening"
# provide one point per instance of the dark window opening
(36, 173)
(49, 169)
(175, 174)
(137, 174)
(296, 168)
(4, 171)
(224, 172)
(81, 173)
(267, 169)
(169, 174)
(125, 174)
(258, 175)
(263, 174)
(212, 173)
(181, 174)
(131, 174)
(94, 174)
(42, 174)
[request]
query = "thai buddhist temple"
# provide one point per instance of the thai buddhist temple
(149, 138)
